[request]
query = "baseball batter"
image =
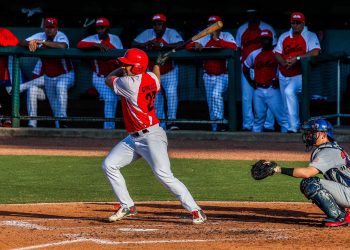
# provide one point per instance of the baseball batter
(266, 94)
(293, 45)
(247, 39)
(58, 73)
(146, 138)
(103, 41)
(161, 38)
(215, 71)
(331, 194)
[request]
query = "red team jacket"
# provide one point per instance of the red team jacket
(7, 38)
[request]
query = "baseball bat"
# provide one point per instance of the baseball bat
(210, 29)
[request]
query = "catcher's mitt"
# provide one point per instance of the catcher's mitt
(262, 169)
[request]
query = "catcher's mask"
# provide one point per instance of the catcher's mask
(310, 129)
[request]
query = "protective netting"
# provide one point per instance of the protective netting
(323, 87)
(80, 98)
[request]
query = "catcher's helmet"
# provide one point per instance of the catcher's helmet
(311, 127)
(136, 58)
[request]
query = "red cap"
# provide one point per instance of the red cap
(297, 16)
(266, 33)
(158, 17)
(50, 22)
(214, 19)
(102, 22)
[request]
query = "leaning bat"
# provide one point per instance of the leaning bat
(210, 29)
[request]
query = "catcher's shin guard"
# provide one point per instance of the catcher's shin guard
(313, 190)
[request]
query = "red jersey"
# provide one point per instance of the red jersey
(138, 94)
(216, 67)
(264, 64)
(102, 67)
(170, 36)
(247, 37)
(7, 38)
(53, 67)
(289, 46)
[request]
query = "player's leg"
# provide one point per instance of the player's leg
(121, 155)
(170, 83)
(291, 92)
(260, 109)
(34, 93)
(275, 105)
(153, 148)
(247, 104)
(270, 121)
(209, 85)
(64, 82)
(109, 98)
(39, 81)
(220, 87)
(316, 190)
(50, 90)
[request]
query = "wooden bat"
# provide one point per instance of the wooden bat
(210, 29)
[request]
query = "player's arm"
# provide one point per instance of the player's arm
(156, 71)
(55, 45)
(246, 72)
(119, 72)
(280, 60)
(294, 60)
(302, 172)
(92, 46)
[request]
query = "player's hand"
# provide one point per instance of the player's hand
(102, 47)
(197, 47)
(162, 57)
(150, 45)
(33, 45)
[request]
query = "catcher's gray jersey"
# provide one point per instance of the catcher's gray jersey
(333, 162)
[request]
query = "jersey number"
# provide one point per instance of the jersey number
(150, 99)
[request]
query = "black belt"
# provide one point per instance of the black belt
(263, 86)
(137, 134)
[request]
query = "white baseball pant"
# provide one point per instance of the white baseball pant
(215, 87)
(265, 99)
(340, 192)
(290, 88)
(169, 83)
(108, 96)
(35, 92)
(57, 93)
(152, 146)
(247, 106)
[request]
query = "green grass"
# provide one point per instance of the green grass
(26, 179)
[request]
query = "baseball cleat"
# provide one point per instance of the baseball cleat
(198, 217)
(337, 223)
(122, 213)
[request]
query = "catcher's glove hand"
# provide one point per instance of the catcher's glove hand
(161, 59)
(262, 169)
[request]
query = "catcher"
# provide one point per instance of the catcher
(331, 194)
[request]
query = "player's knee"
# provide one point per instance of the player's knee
(310, 187)
(107, 166)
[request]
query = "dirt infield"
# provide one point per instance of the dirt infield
(165, 225)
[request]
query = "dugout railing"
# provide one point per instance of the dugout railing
(187, 60)
(325, 94)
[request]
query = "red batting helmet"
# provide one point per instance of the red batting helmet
(137, 58)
